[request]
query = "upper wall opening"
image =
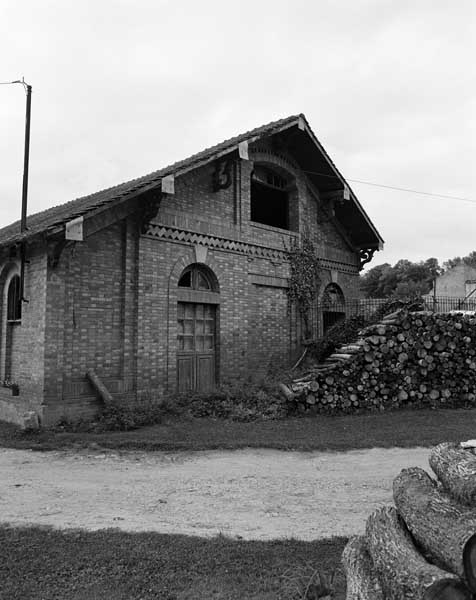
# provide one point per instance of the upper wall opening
(273, 197)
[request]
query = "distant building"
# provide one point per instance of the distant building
(458, 282)
(175, 281)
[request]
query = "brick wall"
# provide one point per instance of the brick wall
(91, 320)
(22, 344)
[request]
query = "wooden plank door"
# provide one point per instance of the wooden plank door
(196, 346)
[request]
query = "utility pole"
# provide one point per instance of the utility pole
(24, 196)
(26, 160)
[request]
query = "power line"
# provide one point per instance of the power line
(394, 187)
(22, 81)
(400, 189)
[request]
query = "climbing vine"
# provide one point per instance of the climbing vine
(304, 276)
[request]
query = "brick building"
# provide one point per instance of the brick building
(176, 280)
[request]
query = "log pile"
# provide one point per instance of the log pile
(409, 358)
(424, 547)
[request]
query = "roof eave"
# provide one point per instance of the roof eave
(304, 125)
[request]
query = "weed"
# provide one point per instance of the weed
(305, 582)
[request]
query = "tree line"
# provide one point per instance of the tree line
(408, 278)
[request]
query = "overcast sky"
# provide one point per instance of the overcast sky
(124, 87)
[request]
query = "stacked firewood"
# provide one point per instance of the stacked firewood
(419, 358)
(424, 547)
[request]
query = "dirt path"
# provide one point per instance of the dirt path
(255, 494)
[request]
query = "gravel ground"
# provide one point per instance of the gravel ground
(252, 494)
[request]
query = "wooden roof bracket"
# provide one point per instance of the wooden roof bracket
(55, 251)
(366, 255)
(149, 209)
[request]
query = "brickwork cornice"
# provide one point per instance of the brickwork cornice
(183, 236)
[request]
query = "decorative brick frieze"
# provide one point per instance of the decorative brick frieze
(229, 245)
(211, 241)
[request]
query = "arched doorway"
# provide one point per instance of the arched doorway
(333, 306)
(197, 329)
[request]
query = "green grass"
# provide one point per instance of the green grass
(46, 564)
(400, 428)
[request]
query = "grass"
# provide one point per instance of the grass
(400, 428)
(44, 563)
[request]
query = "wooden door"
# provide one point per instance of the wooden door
(196, 346)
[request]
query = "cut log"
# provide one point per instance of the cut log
(341, 356)
(445, 529)
(455, 467)
(288, 394)
(351, 348)
(99, 386)
(402, 571)
(362, 581)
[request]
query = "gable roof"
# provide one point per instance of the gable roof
(53, 218)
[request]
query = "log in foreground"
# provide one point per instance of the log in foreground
(402, 571)
(455, 467)
(445, 529)
(362, 581)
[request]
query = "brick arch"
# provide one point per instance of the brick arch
(9, 270)
(189, 259)
(326, 281)
(335, 288)
(263, 156)
(205, 269)
(330, 313)
(178, 267)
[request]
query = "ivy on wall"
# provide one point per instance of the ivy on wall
(304, 277)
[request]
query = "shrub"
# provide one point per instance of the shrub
(124, 415)
(120, 415)
(237, 401)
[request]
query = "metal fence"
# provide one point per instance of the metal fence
(325, 314)
(441, 304)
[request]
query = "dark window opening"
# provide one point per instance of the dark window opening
(196, 279)
(269, 205)
(14, 299)
(331, 318)
(186, 279)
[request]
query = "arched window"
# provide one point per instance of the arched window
(14, 299)
(333, 296)
(333, 306)
(196, 278)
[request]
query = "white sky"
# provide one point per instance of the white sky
(124, 87)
